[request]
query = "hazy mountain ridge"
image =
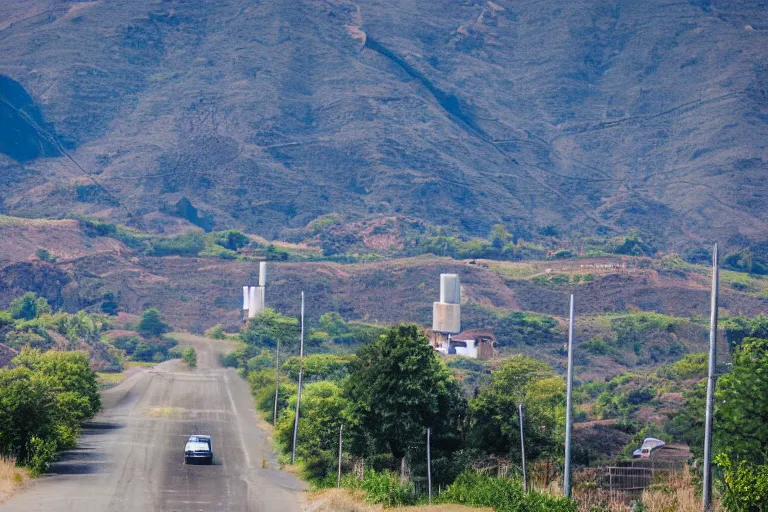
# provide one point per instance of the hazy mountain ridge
(592, 116)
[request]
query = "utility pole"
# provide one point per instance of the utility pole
(522, 444)
(301, 374)
(568, 407)
(338, 478)
(429, 465)
(706, 492)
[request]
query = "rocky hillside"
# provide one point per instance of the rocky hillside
(592, 116)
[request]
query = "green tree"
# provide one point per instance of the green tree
(69, 371)
(29, 306)
(494, 423)
(745, 485)
(27, 410)
(232, 239)
(109, 304)
(333, 323)
(742, 412)
(398, 387)
(323, 410)
(190, 357)
(270, 326)
(45, 255)
(737, 328)
(152, 323)
(499, 236)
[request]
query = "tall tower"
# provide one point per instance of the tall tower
(446, 314)
(254, 296)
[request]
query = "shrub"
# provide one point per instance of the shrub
(185, 244)
(42, 452)
(45, 255)
(746, 485)
(383, 487)
(152, 323)
(232, 239)
(216, 332)
(109, 304)
(596, 346)
(190, 357)
(503, 495)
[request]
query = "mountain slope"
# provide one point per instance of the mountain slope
(593, 116)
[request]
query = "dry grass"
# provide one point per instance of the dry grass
(11, 478)
(677, 495)
(344, 500)
(6, 220)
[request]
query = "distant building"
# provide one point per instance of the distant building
(475, 343)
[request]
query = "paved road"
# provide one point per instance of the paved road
(130, 457)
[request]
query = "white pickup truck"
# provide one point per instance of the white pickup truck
(199, 449)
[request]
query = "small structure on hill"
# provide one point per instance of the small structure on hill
(254, 300)
(474, 343)
(446, 314)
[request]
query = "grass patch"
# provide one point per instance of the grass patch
(512, 271)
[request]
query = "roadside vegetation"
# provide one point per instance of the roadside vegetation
(44, 399)
(394, 386)
(48, 381)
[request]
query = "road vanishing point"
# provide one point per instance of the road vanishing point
(131, 456)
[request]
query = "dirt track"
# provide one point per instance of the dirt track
(130, 457)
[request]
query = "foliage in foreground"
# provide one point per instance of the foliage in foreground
(382, 487)
(44, 399)
(745, 485)
(503, 495)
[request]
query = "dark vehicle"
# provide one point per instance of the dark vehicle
(198, 450)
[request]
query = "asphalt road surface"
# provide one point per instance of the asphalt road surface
(131, 457)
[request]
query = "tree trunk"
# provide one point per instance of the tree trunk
(403, 471)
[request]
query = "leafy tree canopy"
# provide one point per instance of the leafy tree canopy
(152, 323)
(398, 387)
(742, 413)
(494, 418)
(29, 306)
(269, 327)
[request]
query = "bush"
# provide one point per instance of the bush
(746, 485)
(232, 239)
(216, 332)
(185, 244)
(383, 487)
(45, 255)
(477, 490)
(42, 452)
(190, 357)
(152, 323)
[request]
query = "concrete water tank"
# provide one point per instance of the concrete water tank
(246, 293)
(446, 318)
(450, 289)
(263, 273)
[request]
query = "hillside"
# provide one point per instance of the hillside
(633, 311)
(593, 117)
